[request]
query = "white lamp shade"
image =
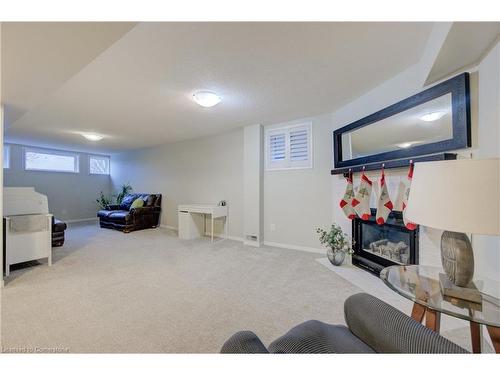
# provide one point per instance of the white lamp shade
(457, 195)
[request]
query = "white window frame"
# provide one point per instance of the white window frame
(287, 164)
(47, 151)
(6, 156)
(102, 157)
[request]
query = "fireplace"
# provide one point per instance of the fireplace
(379, 246)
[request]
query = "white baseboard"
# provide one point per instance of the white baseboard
(168, 227)
(234, 238)
(222, 235)
(252, 243)
(265, 243)
(295, 247)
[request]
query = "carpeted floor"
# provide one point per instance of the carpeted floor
(148, 291)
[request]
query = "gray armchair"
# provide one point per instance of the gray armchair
(372, 327)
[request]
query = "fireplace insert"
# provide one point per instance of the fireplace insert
(379, 246)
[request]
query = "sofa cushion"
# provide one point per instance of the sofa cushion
(119, 216)
(104, 213)
(127, 201)
(156, 200)
(138, 203)
(149, 199)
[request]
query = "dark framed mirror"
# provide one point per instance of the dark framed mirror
(433, 121)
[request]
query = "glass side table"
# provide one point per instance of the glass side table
(420, 284)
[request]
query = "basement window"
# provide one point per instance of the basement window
(36, 159)
(98, 164)
(289, 147)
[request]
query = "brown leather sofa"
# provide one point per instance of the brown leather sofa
(122, 217)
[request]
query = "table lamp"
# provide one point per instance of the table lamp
(457, 196)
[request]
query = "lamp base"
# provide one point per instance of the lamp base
(469, 293)
(457, 258)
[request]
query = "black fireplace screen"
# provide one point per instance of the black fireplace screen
(379, 246)
(386, 242)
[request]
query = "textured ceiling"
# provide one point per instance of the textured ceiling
(137, 93)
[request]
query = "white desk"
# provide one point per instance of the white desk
(191, 215)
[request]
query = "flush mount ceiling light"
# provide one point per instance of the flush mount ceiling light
(432, 116)
(206, 98)
(405, 145)
(92, 137)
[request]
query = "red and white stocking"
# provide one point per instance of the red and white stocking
(345, 202)
(406, 194)
(361, 201)
(384, 204)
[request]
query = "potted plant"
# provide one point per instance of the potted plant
(103, 201)
(124, 190)
(337, 242)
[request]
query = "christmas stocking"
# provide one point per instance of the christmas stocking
(361, 201)
(345, 203)
(408, 224)
(384, 205)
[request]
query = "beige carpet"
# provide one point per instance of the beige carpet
(148, 291)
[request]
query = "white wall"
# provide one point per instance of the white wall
(252, 185)
(298, 201)
(487, 248)
(71, 196)
(204, 170)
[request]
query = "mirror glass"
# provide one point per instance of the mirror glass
(426, 123)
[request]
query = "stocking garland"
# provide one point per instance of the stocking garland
(408, 223)
(384, 204)
(361, 201)
(345, 202)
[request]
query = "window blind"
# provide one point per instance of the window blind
(299, 145)
(289, 147)
(277, 147)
